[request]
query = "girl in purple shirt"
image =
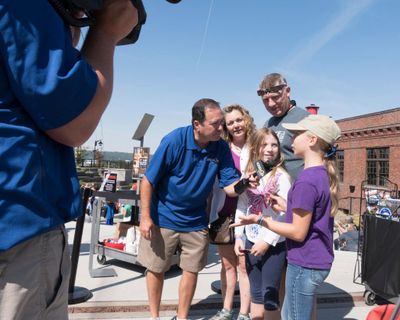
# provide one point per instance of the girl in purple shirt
(312, 203)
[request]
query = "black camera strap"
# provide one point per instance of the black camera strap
(66, 11)
(67, 8)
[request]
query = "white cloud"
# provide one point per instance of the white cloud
(338, 24)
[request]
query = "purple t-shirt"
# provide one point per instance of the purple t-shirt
(310, 192)
(230, 204)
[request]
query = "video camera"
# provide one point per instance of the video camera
(67, 9)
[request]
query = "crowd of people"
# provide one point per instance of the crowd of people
(282, 209)
(277, 184)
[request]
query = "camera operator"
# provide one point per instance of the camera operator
(51, 99)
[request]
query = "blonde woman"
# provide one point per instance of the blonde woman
(238, 128)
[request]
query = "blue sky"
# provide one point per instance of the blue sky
(342, 55)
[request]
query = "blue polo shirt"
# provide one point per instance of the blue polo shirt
(182, 175)
(44, 84)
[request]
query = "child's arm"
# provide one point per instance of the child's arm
(259, 248)
(297, 230)
(278, 204)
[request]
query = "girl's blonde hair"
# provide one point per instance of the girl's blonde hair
(256, 141)
(248, 122)
(331, 167)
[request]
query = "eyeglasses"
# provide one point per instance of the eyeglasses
(274, 89)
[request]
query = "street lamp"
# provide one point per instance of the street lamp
(96, 143)
(142, 128)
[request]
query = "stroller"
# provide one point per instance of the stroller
(377, 266)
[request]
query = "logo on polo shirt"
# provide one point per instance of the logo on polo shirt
(280, 135)
(215, 160)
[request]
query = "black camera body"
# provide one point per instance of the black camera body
(67, 9)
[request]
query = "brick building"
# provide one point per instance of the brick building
(369, 152)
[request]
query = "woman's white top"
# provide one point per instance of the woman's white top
(218, 194)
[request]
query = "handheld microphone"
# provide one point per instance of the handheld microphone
(263, 168)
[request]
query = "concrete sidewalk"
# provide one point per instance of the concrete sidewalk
(125, 297)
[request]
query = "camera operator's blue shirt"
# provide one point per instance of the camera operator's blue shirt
(182, 175)
(44, 84)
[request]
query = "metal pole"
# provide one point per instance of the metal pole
(94, 155)
(78, 294)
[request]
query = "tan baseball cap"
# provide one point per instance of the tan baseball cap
(318, 124)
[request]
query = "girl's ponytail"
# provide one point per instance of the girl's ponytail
(329, 156)
(331, 167)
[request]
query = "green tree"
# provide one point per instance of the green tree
(99, 156)
(80, 153)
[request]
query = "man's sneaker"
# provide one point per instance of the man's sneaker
(223, 315)
(242, 316)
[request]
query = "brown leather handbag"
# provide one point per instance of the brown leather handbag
(219, 231)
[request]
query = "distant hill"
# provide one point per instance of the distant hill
(111, 156)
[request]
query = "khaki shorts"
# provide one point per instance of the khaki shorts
(34, 278)
(155, 254)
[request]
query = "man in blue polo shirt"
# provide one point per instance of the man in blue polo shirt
(51, 99)
(173, 200)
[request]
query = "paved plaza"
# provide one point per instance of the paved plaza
(124, 296)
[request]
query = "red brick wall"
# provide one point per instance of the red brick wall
(370, 120)
(376, 130)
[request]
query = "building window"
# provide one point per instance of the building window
(340, 164)
(377, 166)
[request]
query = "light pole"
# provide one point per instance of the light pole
(96, 143)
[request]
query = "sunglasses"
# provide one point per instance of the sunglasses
(275, 89)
